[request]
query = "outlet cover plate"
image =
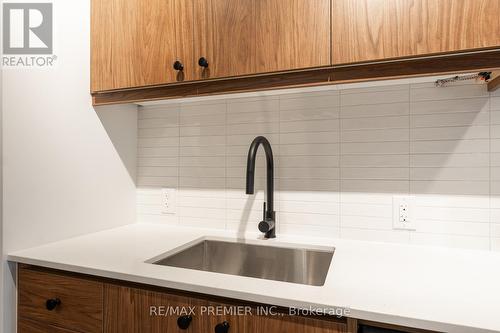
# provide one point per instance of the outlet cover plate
(403, 209)
(168, 200)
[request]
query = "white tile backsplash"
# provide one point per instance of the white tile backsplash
(341, 154)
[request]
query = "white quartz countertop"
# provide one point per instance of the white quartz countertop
(439, 289)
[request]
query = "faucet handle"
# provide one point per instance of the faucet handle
(264, 212)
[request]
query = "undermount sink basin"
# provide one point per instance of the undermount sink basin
(282, 263)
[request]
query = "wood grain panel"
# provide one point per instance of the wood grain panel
(28, 326)
(292, 34)
(364, 30)
(225, 35)
(135, 43)
(127, 310)
(451, 25)
(367, 30)
(81, 307)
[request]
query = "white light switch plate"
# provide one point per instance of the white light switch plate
(168, 200)
(403, 213)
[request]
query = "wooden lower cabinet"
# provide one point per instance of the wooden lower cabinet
(132, 310)
(29, 326)
(97, 305)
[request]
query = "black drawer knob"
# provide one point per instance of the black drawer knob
(203, 62)
(222, 327)
(52, 303)
(178, 66)
(184, 321)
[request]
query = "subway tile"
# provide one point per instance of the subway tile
(375, 97)
(377, 135)
(309, 137)
(255, 128)
(311, 173)
(331, 125)
(309, 149)
(453, 228)
(456, 105)
(451, 92)
(375, 173)
(495, 103)
(157, 181)
(159, 111)
(326, 220)
(452, 119)
(366, 222)
(325, 208)
(375, 110)
(455, 173)
(253, 117)
(309, 230)
(450, 160)
(364, 209)
(158, 161)
(374, 123)
(380, 160)
(329, 99)
(158, 142)
(449, 187)
(158, 171)
(202, 130)
(451, 146)
(375, 186)
(375, 148)
(252, 105)
(158, 122)
(200, 141)
(202, 172)
(450, 133)
(202, 109)
(157, 151)
(310, 114)
(457, 201)
(331, 161)
(158, 132)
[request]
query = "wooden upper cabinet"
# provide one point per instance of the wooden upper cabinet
(242, 37)
(135, 43)
(366, 30)
(225, 36)
(292, 34)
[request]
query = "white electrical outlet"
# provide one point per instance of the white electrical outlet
(168, 200)
(402, 216)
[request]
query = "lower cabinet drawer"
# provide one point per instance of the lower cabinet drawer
(59, 300)
(28, 326)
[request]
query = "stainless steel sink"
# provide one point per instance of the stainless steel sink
(289, 264)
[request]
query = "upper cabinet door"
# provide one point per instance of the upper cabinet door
(225, 37)
(292, 34)
(242, 37)
(136, 43)
(366, 30)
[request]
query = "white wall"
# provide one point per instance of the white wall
(63, 175)
(342, 153)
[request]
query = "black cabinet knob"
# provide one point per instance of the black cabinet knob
(52, 303)
(184, 321)
(203, 62)
(222, 327)
(178, 66)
